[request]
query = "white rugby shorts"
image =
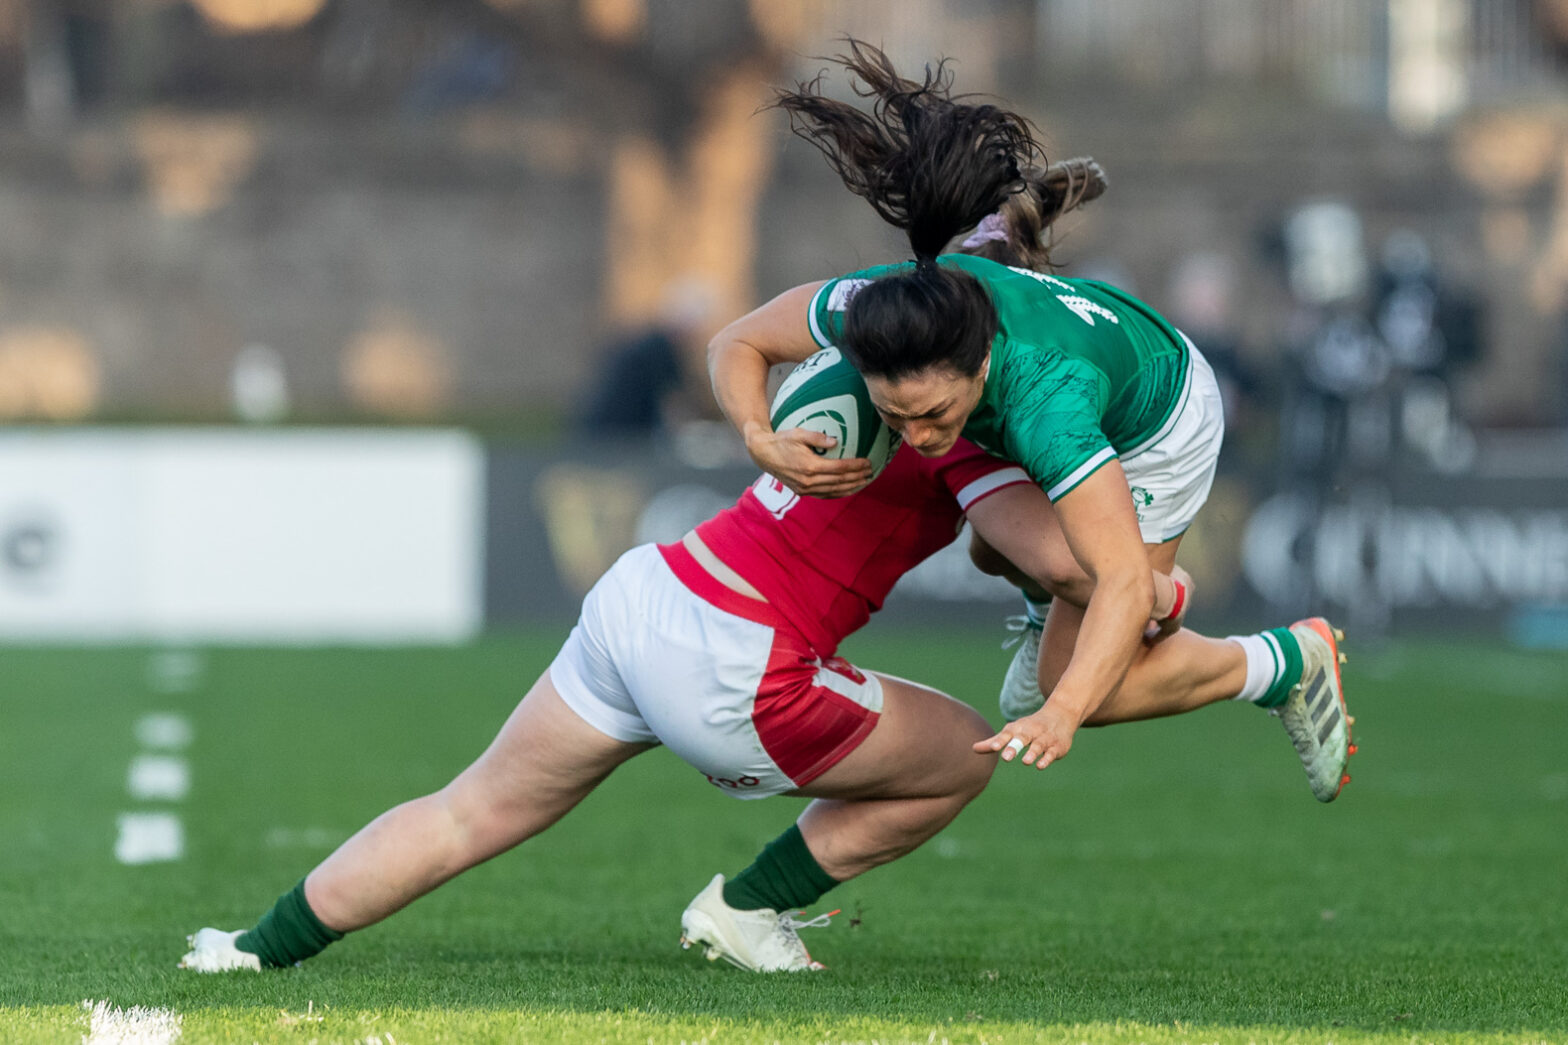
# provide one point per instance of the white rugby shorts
(663, 652)
(1170, 473)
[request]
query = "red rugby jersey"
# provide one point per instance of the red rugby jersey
(827, 564)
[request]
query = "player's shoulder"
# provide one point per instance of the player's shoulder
(983, 268)
(1033, 364)
(835, 294)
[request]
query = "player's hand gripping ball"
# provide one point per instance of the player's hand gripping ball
(825, 394)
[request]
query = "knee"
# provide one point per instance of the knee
(987, 559)
(977, 768)
(1050, 570)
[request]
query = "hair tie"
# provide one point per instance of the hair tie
(991, 227)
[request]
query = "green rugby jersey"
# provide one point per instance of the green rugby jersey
(1080, 371)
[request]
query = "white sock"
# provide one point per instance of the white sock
(1264, 664)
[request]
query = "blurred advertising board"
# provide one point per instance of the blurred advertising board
(1413, 552)
(293, 535)
(1416, 551)
(364, 535)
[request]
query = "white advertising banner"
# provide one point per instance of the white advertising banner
(291, 535)
(66, 539)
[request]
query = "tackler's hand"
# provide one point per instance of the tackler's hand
(1043, 737)
(1161, 628)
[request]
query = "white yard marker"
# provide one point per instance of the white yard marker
(149, 838)
(164, 731)
(110, 1025)
(174, 671)
(158, 778)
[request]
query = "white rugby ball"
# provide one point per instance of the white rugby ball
(825, 394)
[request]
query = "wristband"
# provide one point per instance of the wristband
(1178, 602)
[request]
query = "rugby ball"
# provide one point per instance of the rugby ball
(825, 394)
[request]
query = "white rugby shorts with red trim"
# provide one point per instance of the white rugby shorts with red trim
(665, 653)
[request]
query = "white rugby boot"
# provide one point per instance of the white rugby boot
(213, 950)
(763, 940)
(1314, 714)
(1021, 694)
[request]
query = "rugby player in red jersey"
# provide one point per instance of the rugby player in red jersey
(1108, 407)
(723, 647)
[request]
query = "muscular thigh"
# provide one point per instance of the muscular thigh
(1062, 626)
(921, 746)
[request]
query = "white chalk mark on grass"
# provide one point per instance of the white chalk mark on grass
(175, 671)
(289, 1019)
(164, 731)
(303, 838)
(149, 838)
(158, 778)
(110, 1025)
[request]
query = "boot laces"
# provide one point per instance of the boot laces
(1020, 626)
(790, 926)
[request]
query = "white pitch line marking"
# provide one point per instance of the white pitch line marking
(303, 838)
(108, 1024)
(149, 838)
(164, 731)
(175, 671)
(154, 778)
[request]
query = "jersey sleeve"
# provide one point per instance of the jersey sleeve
(1053, 428)
(826, 314)
(971, 475)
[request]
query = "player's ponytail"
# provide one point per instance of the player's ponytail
(932, 165)
(928, 163)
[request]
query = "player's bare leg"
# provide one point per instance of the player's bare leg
(1163, 681)
(1293, 672)
(904, 783)
(1183, 672)
(543, 762)
(901, 785)
(1017, 536)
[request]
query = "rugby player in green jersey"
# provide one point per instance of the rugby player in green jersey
(1110, 409)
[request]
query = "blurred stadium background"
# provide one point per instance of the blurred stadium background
(484, 236)
(362, 323)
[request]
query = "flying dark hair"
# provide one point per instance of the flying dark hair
(932, 165)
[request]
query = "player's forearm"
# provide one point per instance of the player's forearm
(739, 374)
(740, 356)
(1108, 640)
(1078, 588)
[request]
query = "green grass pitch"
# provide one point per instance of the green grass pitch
(1169, 882)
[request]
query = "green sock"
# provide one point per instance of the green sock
(1036, 610)
(1290, 671)
(784, 876)
(288, 933)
